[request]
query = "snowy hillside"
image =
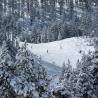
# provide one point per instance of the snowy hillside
(59, 52)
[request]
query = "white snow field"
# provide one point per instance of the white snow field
(58, 52)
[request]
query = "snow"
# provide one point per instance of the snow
(58, 52)
(54, 83)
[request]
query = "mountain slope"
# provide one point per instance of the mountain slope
(59, 52)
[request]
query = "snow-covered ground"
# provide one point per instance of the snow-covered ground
(59, 52)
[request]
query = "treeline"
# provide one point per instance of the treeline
(48, 20)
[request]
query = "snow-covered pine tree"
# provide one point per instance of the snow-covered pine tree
(67, 79)
(95, 68)
(7, 69)
(61, 6)
(71, 9)
(43, 81)
(5, 56)
(63, 72)
(44, 35)
(28, 74)
(59, 36)
(78, 66)
(84, 84)
(23, 81)
(64, 88)
(16, 43)
(68, 71)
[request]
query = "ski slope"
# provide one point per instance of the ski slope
(58, 52)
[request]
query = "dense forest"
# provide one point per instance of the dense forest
(48, 20)
(22, 74)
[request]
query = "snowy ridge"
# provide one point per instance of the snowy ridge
(58, 52)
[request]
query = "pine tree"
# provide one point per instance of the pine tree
(63, 72)
(64, 88)
(95, 22)
(7, 69)
(71, 10)
(95, 68)
(29, 76)
(52, 9)
(84, 85)
(59, 36)
(8, 53)
(61, 6)
(23, 81)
